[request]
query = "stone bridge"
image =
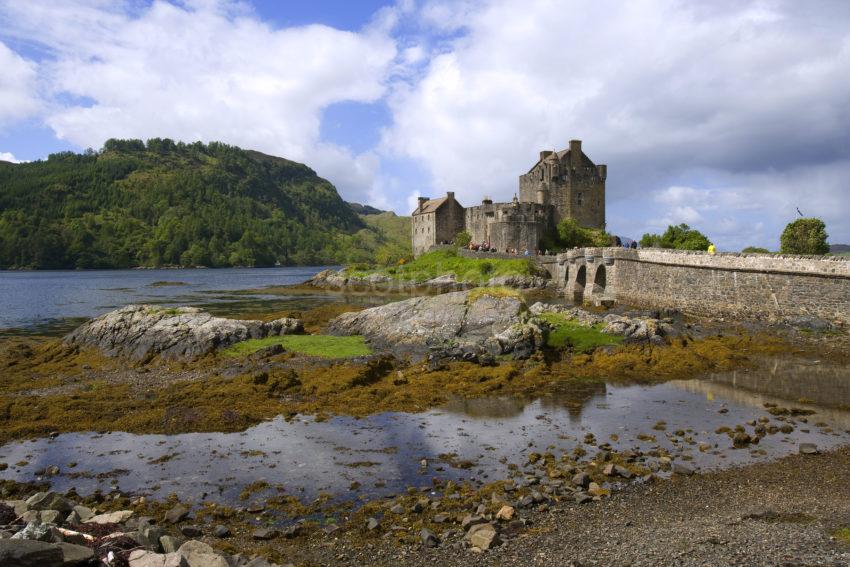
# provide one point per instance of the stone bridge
(751, 286)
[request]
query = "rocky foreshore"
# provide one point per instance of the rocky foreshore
(141, 332)
(480, 325)
(443, 520)
(343, 280)
(50, 530)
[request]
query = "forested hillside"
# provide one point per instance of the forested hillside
(166, 203)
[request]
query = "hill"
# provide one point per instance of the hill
(840, 249)
(165, 203)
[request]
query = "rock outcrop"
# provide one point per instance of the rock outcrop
(141, 332)
(634, 328)
(465, 323)
(332, 279)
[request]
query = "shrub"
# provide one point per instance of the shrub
(804, 236)
(680, 237)
(463, 239)
(755, 250)
(571, 234)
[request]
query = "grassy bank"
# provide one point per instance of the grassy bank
(444, 262)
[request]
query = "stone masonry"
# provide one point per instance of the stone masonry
(560, 185)
(746, 286)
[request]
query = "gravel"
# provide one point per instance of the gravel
(779, 513)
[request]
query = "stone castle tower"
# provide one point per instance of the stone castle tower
(568, 181)
(562, 185)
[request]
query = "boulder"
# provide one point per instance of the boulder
(118, 517)
(49, 501)
(520, 282)
(199, 554)
(75, 554)
(143, 558)
(483, 536)
(460, 321)
(176, 514)
(37, 531)
(140, 332)
(28, 553)
(148, 537)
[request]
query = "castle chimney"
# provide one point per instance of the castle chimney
(450, 195)
(575, 154)
(422, 201)
(544, 154)
(602, 170)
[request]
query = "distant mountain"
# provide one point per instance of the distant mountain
(365, 209)
(839, 248)
(165, 203)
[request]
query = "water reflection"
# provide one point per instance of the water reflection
(383, 452)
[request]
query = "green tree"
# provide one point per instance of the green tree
(679, 237)
(755, 250)
(804, 236)
(463, 239)
(158, 203)
(571, 235)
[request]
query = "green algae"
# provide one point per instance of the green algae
(325, 346)
(566, 332)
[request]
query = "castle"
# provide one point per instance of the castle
(561, 185)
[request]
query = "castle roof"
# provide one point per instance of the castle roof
(431, 205)
(562, 156)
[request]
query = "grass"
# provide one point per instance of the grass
(325, 346)
(843, 535)
(442, 262)
(581, 338)
(495, 291)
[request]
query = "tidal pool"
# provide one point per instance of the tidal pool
(475, 440)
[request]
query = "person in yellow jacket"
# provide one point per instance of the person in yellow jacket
(711, 249)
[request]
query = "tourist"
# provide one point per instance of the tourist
(711, 249)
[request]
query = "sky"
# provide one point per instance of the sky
(726, 115)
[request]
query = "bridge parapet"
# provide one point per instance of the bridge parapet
(754, 286)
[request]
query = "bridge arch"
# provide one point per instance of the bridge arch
(579, 283)
(599, 282)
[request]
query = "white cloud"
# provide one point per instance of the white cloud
(204, 71)
(17, 87)
(8, 156)
(739, 98)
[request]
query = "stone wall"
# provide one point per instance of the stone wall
(748, 286)
(508, 225)
(571, 183)
(433, 228)
(449, 221)
(424, 232)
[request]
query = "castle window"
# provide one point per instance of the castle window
(579, 199)
(541, 174)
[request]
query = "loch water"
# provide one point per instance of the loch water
(54, 302)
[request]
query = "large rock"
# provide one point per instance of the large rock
(75, 554)
(483, 536)
(49, 501)
(199, 554)
(142, 558)
(467, 320)
(118, 517)
(141, 332)
(28, 553)
(520, 282)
